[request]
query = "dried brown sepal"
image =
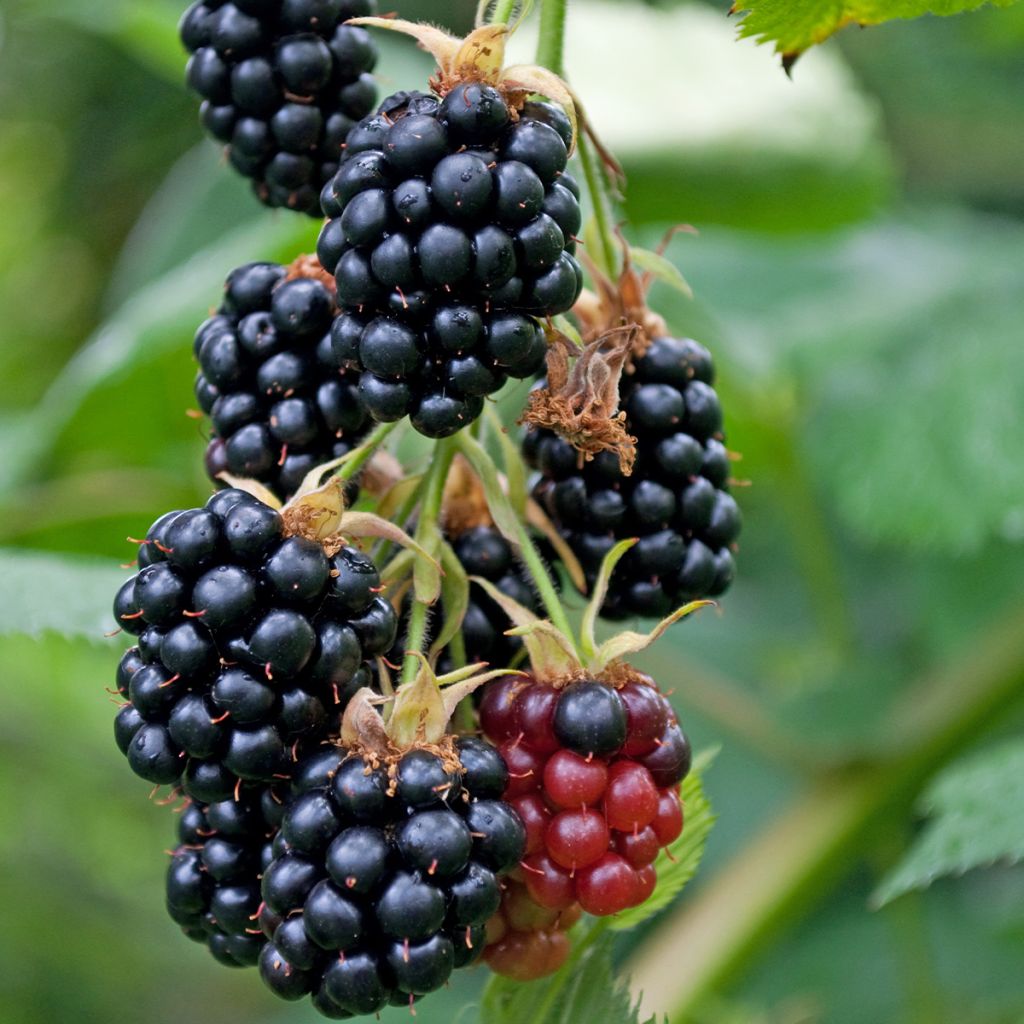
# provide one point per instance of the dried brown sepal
(309, 267)
(464, 505)
(581, 399)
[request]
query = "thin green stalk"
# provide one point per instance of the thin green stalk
(367, 449)
(551, 43)
(383, 550)
(781, 874)
(503, 11)
(428, 535)
(597, 189)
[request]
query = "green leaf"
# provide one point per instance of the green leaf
(660, 269)
(677, 864)
(587, 988)
(512, 460)
(454, 597)
(160, 318)
(796, 25)
(498, 504)
(43, 593)
(976, 806)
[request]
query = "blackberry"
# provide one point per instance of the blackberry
(594, 773)
(676, 501)
(282, 84)
(386, 875)
(213, 879)
(451, 227)
(255, 640)
(277, 402)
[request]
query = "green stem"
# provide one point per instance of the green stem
(428, 535)
(366, 450)
(503, 11)
(551, 42)
(383, 550)
(783, 872)
(597, 189)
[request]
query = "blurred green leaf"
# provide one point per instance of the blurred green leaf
(976, 806)
(678, 863)
(660, 269)
(148, 31)
(796, 25)
(586, 988)
(43, 593)
(160, 318)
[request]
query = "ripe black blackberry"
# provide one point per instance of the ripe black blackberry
(213, 879)
(251, 639)
(278, 404)
(386, 874)
(676, 501)
(283, 82)
(451, 228)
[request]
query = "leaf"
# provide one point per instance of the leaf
(622, 645)
(586, 989)
(679, 863)
(661, 269)
(895, 348)
(454, 597)
(160, 318)
(593, 609)
(512, 460)
(42, 593)
(976, 806)
(551, 652)
(796, 25)
(424, 566)
(502, 512)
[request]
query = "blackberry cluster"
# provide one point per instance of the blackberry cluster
(268, 381)
(594, 774)
(451, 227)
(213, 880)
(676, 501)
(282, 82)
(249, 642)
(384, 878)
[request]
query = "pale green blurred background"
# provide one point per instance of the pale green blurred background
(858, 274)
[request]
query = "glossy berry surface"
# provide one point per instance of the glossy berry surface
(258, 640)
(278, 405)
(386, 879)
(451, 227)
(676, 500)
(213, 878)
(594, 773)
(282, 85)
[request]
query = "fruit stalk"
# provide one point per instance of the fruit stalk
(366, 452)
(551, 43)
(503, 11)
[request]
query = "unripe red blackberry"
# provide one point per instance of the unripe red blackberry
(213, 879)
(251, 639)
(676, 500)
(282, 85)
(594, 772)
(277, 402)
(451, 227)
(387, 874)
(527, 941)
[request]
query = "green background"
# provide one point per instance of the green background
(858, 275)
